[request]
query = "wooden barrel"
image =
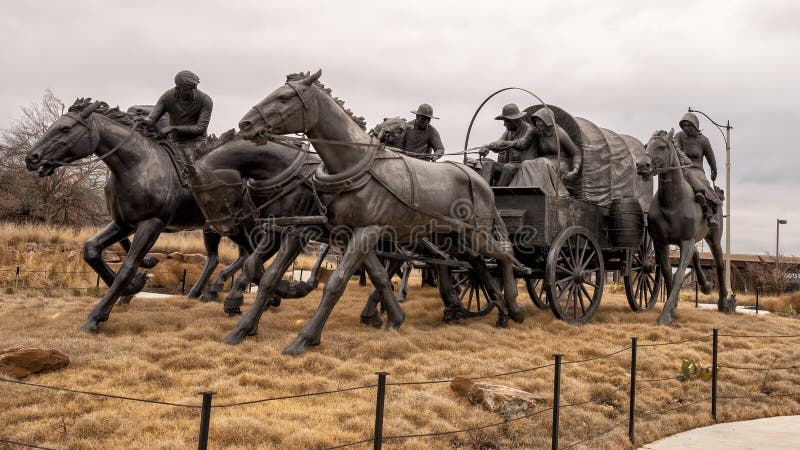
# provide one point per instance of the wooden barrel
(625, 222)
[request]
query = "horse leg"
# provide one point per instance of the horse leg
(211, 293)
(403, 291)
(724, 304)
(148, 262)
(93, 249)
(490, 247)
(384, 289)
(147, 233)
(700, 276)
(369, 315)
(313, 279)
(211, 242)
(668, 313)
(290, 247)
(353, 257)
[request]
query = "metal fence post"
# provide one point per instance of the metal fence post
(632, 398)
(97, 283)
(714, 375)
(378, 439)
(756, 300)
(205, 420)
(183, 282)
(16, 278)
(696, 281)
(556, 400)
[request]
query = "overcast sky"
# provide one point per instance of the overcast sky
(630, 66)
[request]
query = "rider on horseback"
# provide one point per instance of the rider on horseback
(189, 111)
(693, 146)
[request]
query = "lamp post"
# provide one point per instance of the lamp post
(778, 224)
(727, 137)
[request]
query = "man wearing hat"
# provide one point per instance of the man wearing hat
(695, 146)
(421, 138)
(513, 147)
(189, 111)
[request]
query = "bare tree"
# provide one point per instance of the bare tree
(72, 195)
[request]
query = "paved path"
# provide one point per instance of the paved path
(774, 433)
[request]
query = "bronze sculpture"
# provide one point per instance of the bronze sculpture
(367, 190)
(693, 147)
(144, 193)
(421, 140)
(513, 147)
(189, 110)
(675, 218)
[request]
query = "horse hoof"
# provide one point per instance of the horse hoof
(210, 296)
(235, 337)
(125, 300)
(233, 311)
(300, 344)
(234, 300)
(148, 262)
(502, 321)
(706, 288)
(274, 302)
(253, 331)
(395, 322)
(136, 285)
(90, 326)
(517, 313)
(666, 320)
(372, 321)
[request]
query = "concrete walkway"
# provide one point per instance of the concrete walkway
(774, 433)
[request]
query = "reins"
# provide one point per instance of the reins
(100, 157)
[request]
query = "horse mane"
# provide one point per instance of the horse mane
(116, 115)
(360, 121)
(666, 134)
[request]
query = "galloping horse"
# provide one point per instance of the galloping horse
(144, 194)
(375, 192)
(675, 218)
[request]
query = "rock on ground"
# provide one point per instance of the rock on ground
(21, 362)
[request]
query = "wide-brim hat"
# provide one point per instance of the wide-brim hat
(425, 110)
(510, 112)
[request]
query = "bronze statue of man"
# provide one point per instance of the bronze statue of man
(513, 147)
(189, 111)
(570, 155)
(421, 139)
(695, 146)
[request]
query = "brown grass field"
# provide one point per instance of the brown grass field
(171, 349)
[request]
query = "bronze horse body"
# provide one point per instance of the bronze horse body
(144, 194)
(675, 218)
(371, 206)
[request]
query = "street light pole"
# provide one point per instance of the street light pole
(778, 224)
(727, 137)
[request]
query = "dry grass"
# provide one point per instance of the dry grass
(786, 303)
(171, 349)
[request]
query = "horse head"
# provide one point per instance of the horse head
(390, 131)
(292, 108)
(660, 154)
(68, 139)
(218, 193)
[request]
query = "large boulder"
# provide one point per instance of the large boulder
(21, 362)
(495, 396)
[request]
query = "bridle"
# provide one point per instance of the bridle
(656, 170)
(81, 120)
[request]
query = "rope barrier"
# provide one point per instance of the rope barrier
(596, 435)
(765, 336)
(481, 427)
(758, 368)
(658, 413)
(350, 444)
(659, 344)
(578, 361)
(98, 394)
(22, 444)
(311, 394)
(754, 397)
(498, 375)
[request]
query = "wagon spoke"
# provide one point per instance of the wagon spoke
(588, 260)
(588, 297)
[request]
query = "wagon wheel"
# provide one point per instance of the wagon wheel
(642, 276)
(471, 292)
(574, 275)
(535, 287)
